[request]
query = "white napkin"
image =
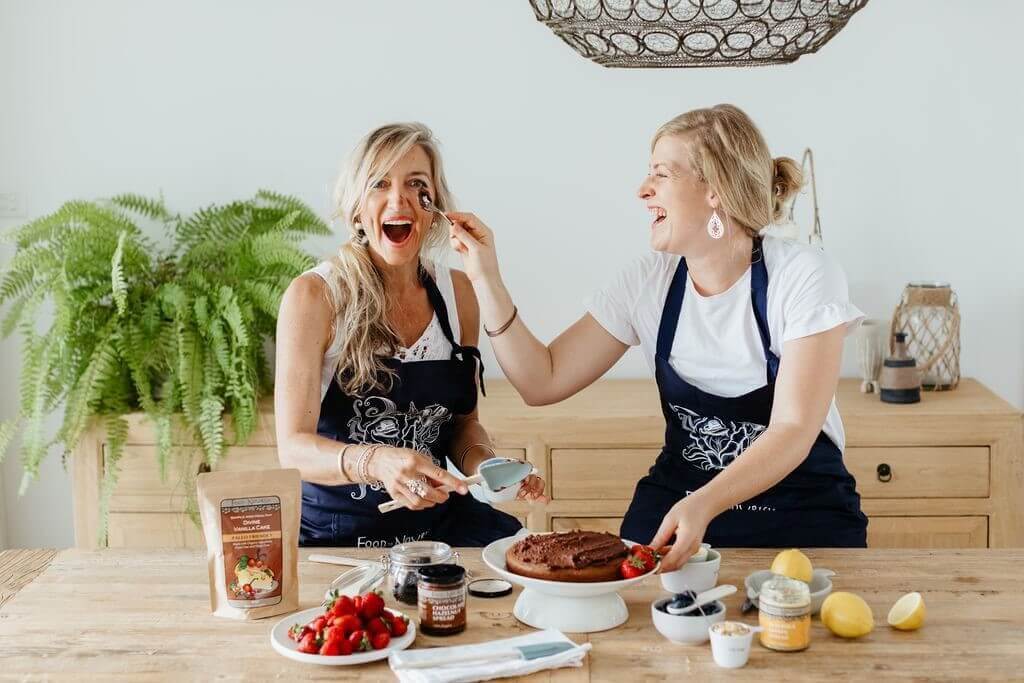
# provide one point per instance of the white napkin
(482, 671)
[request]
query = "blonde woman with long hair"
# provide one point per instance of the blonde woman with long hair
(377, 365)
(744, 334)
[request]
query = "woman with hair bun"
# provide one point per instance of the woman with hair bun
(744, 334)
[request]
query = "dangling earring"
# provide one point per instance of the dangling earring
(359, 235)
(715, 227)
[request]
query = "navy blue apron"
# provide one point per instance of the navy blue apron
(418, 412)
(816, 505)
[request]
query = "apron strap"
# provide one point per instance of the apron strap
(441, 309)
(670, 313)
(759, 301)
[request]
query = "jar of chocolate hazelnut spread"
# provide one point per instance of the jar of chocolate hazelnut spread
(441, 597)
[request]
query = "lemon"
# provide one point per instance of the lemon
(847, 615)
(794, 564)
(908, 613)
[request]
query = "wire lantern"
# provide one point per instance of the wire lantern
(694, 33)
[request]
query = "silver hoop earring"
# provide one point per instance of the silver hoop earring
(715, 228)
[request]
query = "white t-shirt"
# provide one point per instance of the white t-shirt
(717, 347)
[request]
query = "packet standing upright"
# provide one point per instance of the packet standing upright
(251, 524)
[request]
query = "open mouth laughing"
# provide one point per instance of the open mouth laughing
(397, 230)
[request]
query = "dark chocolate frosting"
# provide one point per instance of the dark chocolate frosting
(570, 549)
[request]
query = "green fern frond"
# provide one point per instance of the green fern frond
(164, 445)
(22, 309)
(232, 314)
(211, 428)
(117, 437)
(7, 431)
(190, 372)
(119, 287)
(151, 208)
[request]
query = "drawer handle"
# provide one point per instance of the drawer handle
(884, 472)
(203, 468)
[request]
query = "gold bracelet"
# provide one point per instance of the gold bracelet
(495, 333)
(462, 455)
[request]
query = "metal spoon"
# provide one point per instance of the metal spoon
(428, 205)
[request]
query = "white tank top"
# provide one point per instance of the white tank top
(432, 344)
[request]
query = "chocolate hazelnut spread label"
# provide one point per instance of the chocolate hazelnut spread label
(442, 609)
(251, 535)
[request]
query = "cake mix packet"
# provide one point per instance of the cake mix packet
(251, 524)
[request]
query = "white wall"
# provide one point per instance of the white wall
(914, 112)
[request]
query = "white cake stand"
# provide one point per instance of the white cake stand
(568, 607)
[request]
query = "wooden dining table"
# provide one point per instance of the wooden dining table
(140, 615)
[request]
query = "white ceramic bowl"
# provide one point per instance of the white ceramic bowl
(697, 576)
(731, 651)
(684, 628)
(821, 586)
(568, 607)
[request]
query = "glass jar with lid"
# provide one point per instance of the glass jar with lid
(403, 562)
(784, 607)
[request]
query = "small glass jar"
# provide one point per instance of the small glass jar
(442, 600)
(784, 607)
(404, 561)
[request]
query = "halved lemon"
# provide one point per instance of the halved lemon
(908, 613)
(847, 615)
(794, 564)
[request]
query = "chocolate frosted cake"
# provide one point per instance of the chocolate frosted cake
(577, 556)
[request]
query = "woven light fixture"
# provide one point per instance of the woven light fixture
(694, 33)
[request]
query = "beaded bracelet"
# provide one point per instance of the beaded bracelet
(363, 467)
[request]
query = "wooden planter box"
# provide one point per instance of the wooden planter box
(956, 464)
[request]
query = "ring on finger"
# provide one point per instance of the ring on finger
(417, 486)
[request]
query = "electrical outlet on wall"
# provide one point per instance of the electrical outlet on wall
(12, 205)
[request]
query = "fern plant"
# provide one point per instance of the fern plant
(168, 332)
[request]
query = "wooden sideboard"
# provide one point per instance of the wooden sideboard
(944, 473)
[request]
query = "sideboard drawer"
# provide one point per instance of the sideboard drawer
(920, 472)
(928, 532)
(598, 473)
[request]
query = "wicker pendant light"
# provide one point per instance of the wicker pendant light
(694, 33)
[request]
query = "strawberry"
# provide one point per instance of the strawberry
(349, 623)
(372, 605)
(377, 625)
(633, 550)
(379, 641)
(318, 624)
(332, 648)
(343, 605)
(308, 644)
(632, 567)
(647, 557)
(359, 641)
(399, 626)
(297, 631)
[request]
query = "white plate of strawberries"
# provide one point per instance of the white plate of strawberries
(345, 630)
